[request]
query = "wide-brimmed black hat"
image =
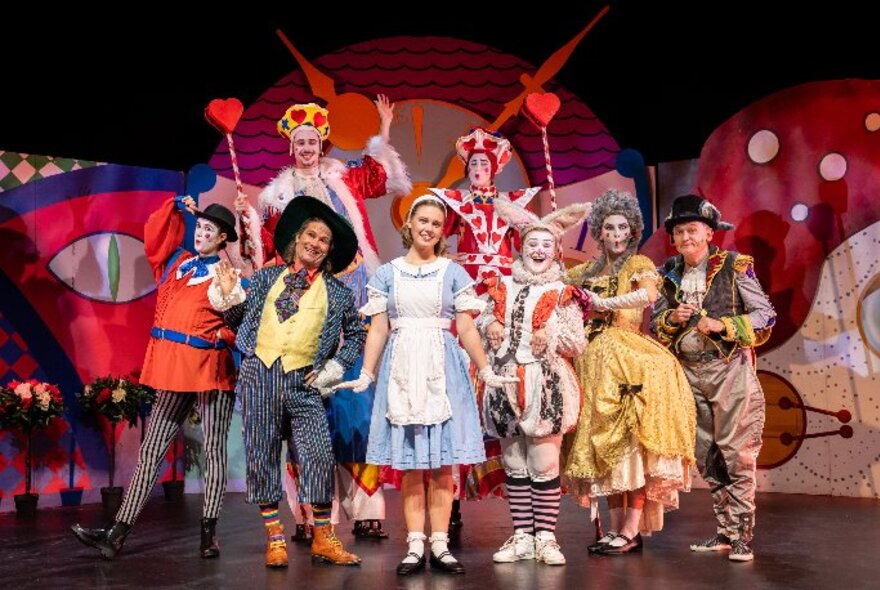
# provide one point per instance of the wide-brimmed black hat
(689, 208)
(302, 208)
(222, 218)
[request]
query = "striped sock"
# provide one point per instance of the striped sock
(519, 496)
(545, 504)
(321, 512)
(270, 514)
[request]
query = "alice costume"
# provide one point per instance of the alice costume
(424, 414)
(637, 425)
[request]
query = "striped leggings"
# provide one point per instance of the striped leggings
(169, 412)
(533, 486)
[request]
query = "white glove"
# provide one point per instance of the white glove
(329, 374)
(359, 385)
(491, 379)
(637, 299)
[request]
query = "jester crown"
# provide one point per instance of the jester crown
(310, 114)
(483, 141)
(557, 223)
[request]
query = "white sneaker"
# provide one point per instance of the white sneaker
(547, 549)
(518, 547)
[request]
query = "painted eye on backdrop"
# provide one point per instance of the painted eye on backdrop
(106, 266)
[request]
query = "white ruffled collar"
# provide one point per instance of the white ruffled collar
(522, 275)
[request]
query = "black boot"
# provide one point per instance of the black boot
(108, 540)
(455, 524)
(209, 546)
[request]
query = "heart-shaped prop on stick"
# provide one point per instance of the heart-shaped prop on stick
(224, 114)
(540, 108)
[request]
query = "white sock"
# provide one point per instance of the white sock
(439, 546)
(416, 545)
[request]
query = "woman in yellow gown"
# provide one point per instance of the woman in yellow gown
(634, 442)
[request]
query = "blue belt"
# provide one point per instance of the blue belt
(181, 338)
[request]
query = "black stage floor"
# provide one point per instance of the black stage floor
(802, 542)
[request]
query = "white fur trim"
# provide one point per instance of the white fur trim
(398, 183)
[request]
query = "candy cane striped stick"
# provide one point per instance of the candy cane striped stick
(549, 167)
(248, 248)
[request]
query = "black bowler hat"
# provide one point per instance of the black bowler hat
(222, 218)
(302, 208)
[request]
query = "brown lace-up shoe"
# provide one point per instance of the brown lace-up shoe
(276, 547)
(327, 547)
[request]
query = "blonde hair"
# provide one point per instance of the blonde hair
(441, 246)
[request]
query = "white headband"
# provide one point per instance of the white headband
(422, 199)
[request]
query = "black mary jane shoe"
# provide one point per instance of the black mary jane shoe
(631, 546)
(303, 533)
(596, 547)
(405, 568)
(448, 567)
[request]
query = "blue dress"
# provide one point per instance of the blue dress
(424, 412)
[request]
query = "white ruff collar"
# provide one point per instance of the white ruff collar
(522, 275)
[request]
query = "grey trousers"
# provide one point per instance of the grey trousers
(730, 420)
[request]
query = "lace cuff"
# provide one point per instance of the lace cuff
(377, 302)
(467, 300)
(222, 302)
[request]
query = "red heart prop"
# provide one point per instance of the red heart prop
(467, 208)
(477, 221)
(224, 114)
(487, 258)
(481, 237)
(298, 116)
(541, 108)
(496, 237)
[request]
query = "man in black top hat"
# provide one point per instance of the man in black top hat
(289, 327)
(188, 361)
(711, 313)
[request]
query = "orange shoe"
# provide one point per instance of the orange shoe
(326, 546)
(276, 547)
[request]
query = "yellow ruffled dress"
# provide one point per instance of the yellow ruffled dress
(637, 423)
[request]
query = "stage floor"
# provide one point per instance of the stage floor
(802, 542)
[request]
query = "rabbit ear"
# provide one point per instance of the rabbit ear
(567, 217)
(518, 217)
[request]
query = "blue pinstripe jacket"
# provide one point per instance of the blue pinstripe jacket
(342, 319)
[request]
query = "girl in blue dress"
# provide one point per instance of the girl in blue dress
(425, 416)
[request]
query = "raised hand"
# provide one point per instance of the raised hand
(190, 204)
(386, 115)
(227, 277)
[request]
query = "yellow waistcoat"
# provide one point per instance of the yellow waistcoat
(296, 340)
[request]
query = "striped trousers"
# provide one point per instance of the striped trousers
(169, 412)
(275, 405)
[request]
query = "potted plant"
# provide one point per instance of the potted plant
(114, 399)
(28, 406)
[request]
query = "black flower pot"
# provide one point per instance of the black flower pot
(173, 490)
(71, 496)
(26, 505)
(111, 498)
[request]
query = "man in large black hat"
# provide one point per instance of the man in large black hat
(711, 313)
(188, 362)
(290, 324)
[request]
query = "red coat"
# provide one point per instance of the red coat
(183, 308)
